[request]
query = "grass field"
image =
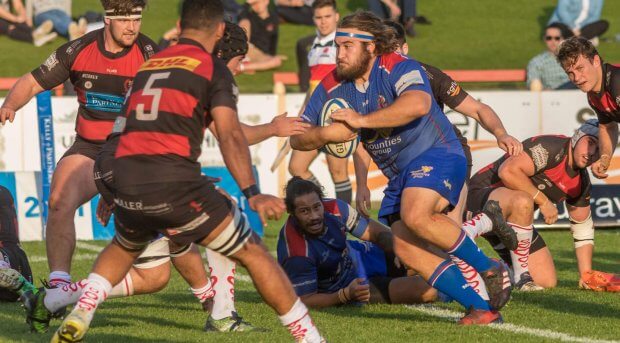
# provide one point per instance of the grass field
(173, 315)
(480, 34)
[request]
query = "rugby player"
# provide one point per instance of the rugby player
(552, 169)
(448, 92)
(159, 189)
(101, 65)
(15, 273)
(318, 259)
(601, 81)
(414, 145)
(321, 60)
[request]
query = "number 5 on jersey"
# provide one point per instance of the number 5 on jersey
(155, 93)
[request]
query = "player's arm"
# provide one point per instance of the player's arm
(280, 126)
(608, 139)
(490, 121)
(582, 228)
(365, 228)
(22, 91)
(361, 161)
(408, 106)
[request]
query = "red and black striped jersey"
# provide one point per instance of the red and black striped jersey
(553, 175)
(167, 111)
(101, 79)
(606, 103)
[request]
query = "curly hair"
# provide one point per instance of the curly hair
(296, 187)
(234, 43)
(122, 6)
(572, 48)
(385, 36)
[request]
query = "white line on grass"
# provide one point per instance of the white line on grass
(454, 316)
(78, 257)
(88, 246)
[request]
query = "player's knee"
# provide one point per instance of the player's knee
(415, 220)
(521, 204)
(58, 203)
(154, 279)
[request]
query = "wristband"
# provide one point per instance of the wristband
(251, 191)
(341, 296)
(535, 195)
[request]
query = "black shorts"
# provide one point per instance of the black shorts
(537, 243)
(185, 212)
(18, 260)
(380, 285)
(8, 217)
(104, 173)
(83, 147)
(466, 150)
(476, 198)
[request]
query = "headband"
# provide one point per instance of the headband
(135, 13)
(361, 36)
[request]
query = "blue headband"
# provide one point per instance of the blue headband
(367, 37)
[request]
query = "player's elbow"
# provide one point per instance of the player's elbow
(300, 143)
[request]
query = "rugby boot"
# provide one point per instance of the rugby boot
(504, 232)
(37, 315)
(9, 279)
(73, 328)
(498, 284)
(526, 284)
(600, 281)
(207, 306)
(481, 317)
(233, 323)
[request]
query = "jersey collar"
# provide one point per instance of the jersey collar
(189, 41)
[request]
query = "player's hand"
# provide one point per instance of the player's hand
(267, 206)
(599, 168)
(358, 290)
(509, 144)
(549, 212)
(362, 199)
(349, 116)
(6, 114)
(284, 126)
(338, 133)
(104, 212)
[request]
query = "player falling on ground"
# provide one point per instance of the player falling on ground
(552, 169)
(448, 92)
(101, 65)
(321, 60)
(151, 271)
(159, 189)
(321, 263)
(413, 143)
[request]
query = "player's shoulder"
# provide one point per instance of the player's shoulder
(389, 61)
(547, 139)
(612, 80)
(331, 81)
(147, 45)
(333, 206)
(291, 242)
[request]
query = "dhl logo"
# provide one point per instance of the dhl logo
(181, 62)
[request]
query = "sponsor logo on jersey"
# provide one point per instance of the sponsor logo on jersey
(413, 77)
(422, 172)
(51, 61)
(104, 102)
(454, 90)
(540, 155)
(88, 85)
(380, 133)
(447, 184)
(541, 187)
(181, 62)
(189, 226)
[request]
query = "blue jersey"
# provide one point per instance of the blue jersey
(321, 264)
(391, 148)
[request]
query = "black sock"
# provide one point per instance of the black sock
(344, 191)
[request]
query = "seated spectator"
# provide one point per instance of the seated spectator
(261, 25)
(295, 11)
(326, 269)
(402, 11)
(321, 57)
(59, 12)
(15, 23)
(544, 71)
(582, 17)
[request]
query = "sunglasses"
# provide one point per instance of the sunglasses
(556, 38)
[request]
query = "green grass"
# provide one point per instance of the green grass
(173, 315)
(481, 34)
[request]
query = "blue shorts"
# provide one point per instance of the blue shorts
(436, 169)
(371, 257)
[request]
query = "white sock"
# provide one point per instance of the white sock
(472, 277)
(95, 292)
(4, 264)
(222, 270)
(59, 278)
(203, 293)
(477, 225)
(299, 323)
(520, 257)
(61, 296)
(123, 288)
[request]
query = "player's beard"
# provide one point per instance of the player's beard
(118, 38)
(356, 70)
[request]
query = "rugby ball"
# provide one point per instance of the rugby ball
(343, 149)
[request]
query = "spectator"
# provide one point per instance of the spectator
(59, 12)
(261, 25)
(295, 11)
(402, 11)
(544, 71)
(15, 23)
(314, 64)
(582, 17)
